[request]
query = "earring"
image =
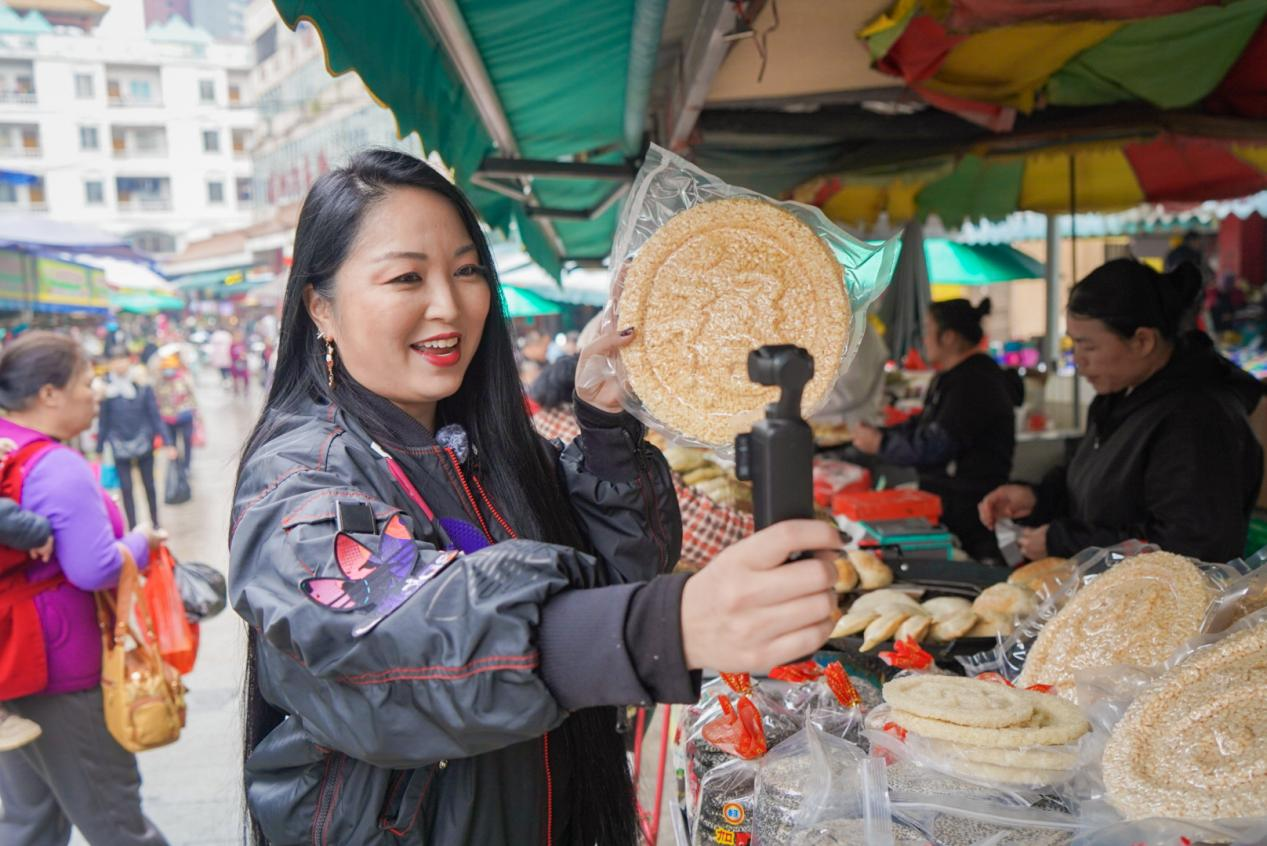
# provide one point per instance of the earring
(321, 336)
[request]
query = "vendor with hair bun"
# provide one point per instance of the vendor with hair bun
(1169, 456)
(962, 442)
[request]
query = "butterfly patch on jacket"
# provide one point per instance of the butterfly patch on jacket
(376, 580)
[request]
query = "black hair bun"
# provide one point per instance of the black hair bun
(983, 308)
(1180, 289)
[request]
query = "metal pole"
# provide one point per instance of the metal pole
(1051, 351)
(1073, 275)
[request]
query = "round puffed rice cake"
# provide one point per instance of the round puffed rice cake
(1036, 758)
(1054, 722)
(1136, 613)
(1194, 746)
(709, 286)
(964, 702)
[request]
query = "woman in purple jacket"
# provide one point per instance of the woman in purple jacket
(75, 774)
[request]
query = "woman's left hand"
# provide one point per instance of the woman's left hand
(1033, 543)
(866, 439)
(596, 379)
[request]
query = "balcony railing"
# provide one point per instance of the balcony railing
(13, 152)
(126, 102)
(145, 203)
(132, 152)
(18, 97)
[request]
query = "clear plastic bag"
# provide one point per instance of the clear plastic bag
(1014, 770)
(953, 811)
(722, 812)
(700, 756)
(1242, 596)
(667, 185)
(811, 776)
(1009, 656)
(1194, 741)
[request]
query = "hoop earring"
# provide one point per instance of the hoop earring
(329, 358)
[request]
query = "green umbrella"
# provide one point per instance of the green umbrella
(148, 303)
(520, 302)
(952, 263)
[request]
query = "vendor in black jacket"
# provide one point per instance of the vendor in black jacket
(1169, 456)
(962, 442)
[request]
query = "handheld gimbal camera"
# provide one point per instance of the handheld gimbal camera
(777, 455)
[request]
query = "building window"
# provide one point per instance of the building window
(88, 138)
(153, 243)
(36, 193)
(215, 192)
(8, 193)
(94, 192)
(211, 140)
(235, 94)
(245, 189)
(140, 90)
(85, 89)
(207, 90)
(241, 140)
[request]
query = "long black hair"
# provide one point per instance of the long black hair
(489, 405)
(1126, 295)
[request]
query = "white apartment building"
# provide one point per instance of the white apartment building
(146, 134)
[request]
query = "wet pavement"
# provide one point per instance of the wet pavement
(192, 789)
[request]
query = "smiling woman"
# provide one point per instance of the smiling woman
(405, 323)
(444, 607)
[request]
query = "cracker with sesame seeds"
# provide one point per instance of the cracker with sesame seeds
(1136, 613)
(709, 286)
(1194, 746)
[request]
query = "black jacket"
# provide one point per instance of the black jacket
(962, 443)
(433, 727)
(1173, 462)
(129, 424)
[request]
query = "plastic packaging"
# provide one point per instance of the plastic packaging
(812, 777)
(1019, 769)
(177, 640)
(1242, 596)
(722, 812)
(667, 185)
(1198, 751)
(202, 590)
(1009, 656)
(953, 811)
(700, 756)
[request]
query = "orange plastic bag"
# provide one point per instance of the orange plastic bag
(177, 638)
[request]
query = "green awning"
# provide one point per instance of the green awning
(147, 303)
(563, 73)
(520, 302)
(227, 278)
(952, 263)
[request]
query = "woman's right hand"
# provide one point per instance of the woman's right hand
(1012, 502)
(750, 610)
(155, 537)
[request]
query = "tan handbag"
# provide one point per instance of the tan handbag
(143, 695)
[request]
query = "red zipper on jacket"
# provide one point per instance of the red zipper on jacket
(457, 466)
(545, 743)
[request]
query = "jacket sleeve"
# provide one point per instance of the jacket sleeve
(1187, 519)
(912, 445)
(62, 489)
(622, 495)
(452, 672)
(21, 529)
